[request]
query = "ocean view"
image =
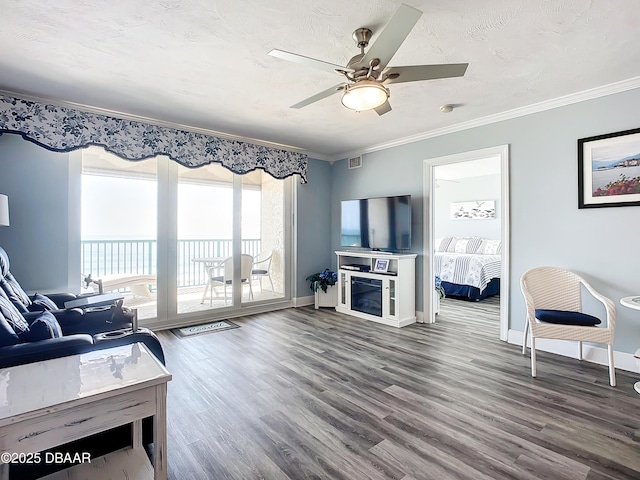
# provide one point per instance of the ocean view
(128, 256)
(601, 178)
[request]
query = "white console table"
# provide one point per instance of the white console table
(50, 403)
(383, 297)
(634, 303)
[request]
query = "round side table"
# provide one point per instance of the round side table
(633, 302)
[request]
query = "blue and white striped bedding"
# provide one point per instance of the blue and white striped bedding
(467, 269)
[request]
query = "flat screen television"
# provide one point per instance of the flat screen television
(377, 223)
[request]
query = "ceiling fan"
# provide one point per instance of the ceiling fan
(368, 73)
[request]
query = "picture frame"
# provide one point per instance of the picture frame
(609, 170)
(381, 265)
(474, 210)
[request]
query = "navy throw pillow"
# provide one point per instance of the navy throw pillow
(42, 302)
(563, 317)
(44, 327)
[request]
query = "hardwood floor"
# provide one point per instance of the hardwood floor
(313, 394)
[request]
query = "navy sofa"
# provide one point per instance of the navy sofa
(36, 327)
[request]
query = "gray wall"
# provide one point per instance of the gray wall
(41, 233)
(313, 225)
(547, 228)
(486, 187)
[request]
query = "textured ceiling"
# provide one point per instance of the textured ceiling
(205, 64)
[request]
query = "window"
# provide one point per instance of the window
(220, 222)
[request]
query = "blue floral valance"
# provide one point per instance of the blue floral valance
(63, 129)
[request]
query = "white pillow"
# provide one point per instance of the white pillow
(493, 247)
(474, 244)
(451, 248)
(442, 244)
(461, 245)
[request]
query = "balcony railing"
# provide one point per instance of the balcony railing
(113, 257)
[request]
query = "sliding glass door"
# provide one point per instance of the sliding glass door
(205, 238)
(118, 228)
(264, 228)
(213, 206)
(186, 242)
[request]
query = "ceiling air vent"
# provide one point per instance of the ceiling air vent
(355, 162)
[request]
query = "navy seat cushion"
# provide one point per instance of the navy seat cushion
(229, 282)
(563, 317)
(44, 327)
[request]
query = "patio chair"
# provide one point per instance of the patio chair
(262, 266)
(227, 276)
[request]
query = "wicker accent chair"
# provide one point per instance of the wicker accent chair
(555, 295)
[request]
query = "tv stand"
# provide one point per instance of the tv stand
(383, 297)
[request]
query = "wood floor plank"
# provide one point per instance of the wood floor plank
(427, 464)
(553, 469)
(314, 394)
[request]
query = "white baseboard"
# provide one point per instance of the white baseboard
(419, 316)
(304, 301)
(567, 348)
(214, 314)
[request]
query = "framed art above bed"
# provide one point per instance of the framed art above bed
(477, 210)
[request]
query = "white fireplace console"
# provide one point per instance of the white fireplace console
(383, 297)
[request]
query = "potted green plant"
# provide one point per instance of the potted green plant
(321, 284)
(438, 295)
(439, 287)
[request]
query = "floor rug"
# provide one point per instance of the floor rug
(203, 328)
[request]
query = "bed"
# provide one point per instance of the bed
(468, 267)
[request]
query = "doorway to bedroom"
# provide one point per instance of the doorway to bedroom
(466, 235)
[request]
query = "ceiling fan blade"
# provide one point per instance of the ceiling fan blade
(318, 96)
(384, 108)
(308, 62)
(424, 72)
(392, 36)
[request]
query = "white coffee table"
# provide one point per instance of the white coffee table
(50, 403)
(633, 302)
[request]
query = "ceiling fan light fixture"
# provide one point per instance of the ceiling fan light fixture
(364, 95)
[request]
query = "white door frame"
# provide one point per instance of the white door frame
(501, 151)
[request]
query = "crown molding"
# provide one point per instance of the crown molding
(157, 122)
(593, 93)
(613, 88)
(319, 156)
